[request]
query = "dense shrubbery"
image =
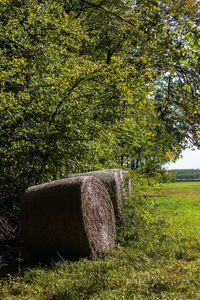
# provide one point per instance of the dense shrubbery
(143, 224)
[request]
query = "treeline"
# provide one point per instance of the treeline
(186, 174)
(95, 84)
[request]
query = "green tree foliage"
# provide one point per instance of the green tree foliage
(94, 84)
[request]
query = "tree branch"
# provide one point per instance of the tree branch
(76, 83)
(109, 12)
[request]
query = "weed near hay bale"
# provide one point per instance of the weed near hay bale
(9, 224)
(70, 217)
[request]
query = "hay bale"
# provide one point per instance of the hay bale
(117, 183)
(70, 218)
(127, 189)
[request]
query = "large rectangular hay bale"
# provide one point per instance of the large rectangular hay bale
(71, 218)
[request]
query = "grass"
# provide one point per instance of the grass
(181, 202)
(155, 259)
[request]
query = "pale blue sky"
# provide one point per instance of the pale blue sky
(190, 160)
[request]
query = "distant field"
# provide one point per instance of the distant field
(181, 202)
(181, 185)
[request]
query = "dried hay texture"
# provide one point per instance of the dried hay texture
(127, 189)
(117, 183)
(70, 218)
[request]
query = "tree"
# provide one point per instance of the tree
(79, 92)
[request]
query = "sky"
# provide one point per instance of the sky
(190, 160)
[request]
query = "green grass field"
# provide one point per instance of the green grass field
(181, 202)
(160, 259)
